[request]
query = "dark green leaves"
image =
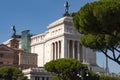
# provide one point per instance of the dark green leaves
(66, 69)
(99, 22)
(10, 73)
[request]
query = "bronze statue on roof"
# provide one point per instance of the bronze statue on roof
(66, 9)
(14, 31)
(14, 35)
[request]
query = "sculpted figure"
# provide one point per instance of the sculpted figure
(14, 31)
(66, 7)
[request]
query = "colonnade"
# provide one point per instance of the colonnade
(56, 50)
(75, 50)
(40, 78)
(72, 49)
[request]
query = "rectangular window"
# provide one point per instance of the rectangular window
(1, 62)
(1, 54)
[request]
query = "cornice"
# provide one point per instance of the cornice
(60, 22)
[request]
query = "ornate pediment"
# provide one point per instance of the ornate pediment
(5, 48)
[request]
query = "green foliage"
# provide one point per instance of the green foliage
(92, 76)
(22, 77)
(110, 0)
(98, 17)
(66, 69)
(55, 78)
(10, 73)
(99, 21)
(98, 41)
(108, 78)
(71, 69)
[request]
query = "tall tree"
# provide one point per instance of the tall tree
(99, 22)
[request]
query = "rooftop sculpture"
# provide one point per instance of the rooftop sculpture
(14, 35)
(66, 9)
(14, 32)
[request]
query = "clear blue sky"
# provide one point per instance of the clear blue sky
(36, 15)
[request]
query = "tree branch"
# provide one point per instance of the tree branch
(113, 53)
(118, 57)
(117, 50)
(105, 52)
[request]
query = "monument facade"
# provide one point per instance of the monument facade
(61, 40)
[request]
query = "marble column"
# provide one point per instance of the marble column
(45, 78)
(78, 51)
(73, 47)
(32, 78)
(40, 78)
(58, 49)
(53, 51)
(68, 48)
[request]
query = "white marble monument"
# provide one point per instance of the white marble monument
(61, 40)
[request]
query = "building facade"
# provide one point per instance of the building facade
(38, 74)
(12, 55)
(61, 40)
(27, 60)
(8, 56)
